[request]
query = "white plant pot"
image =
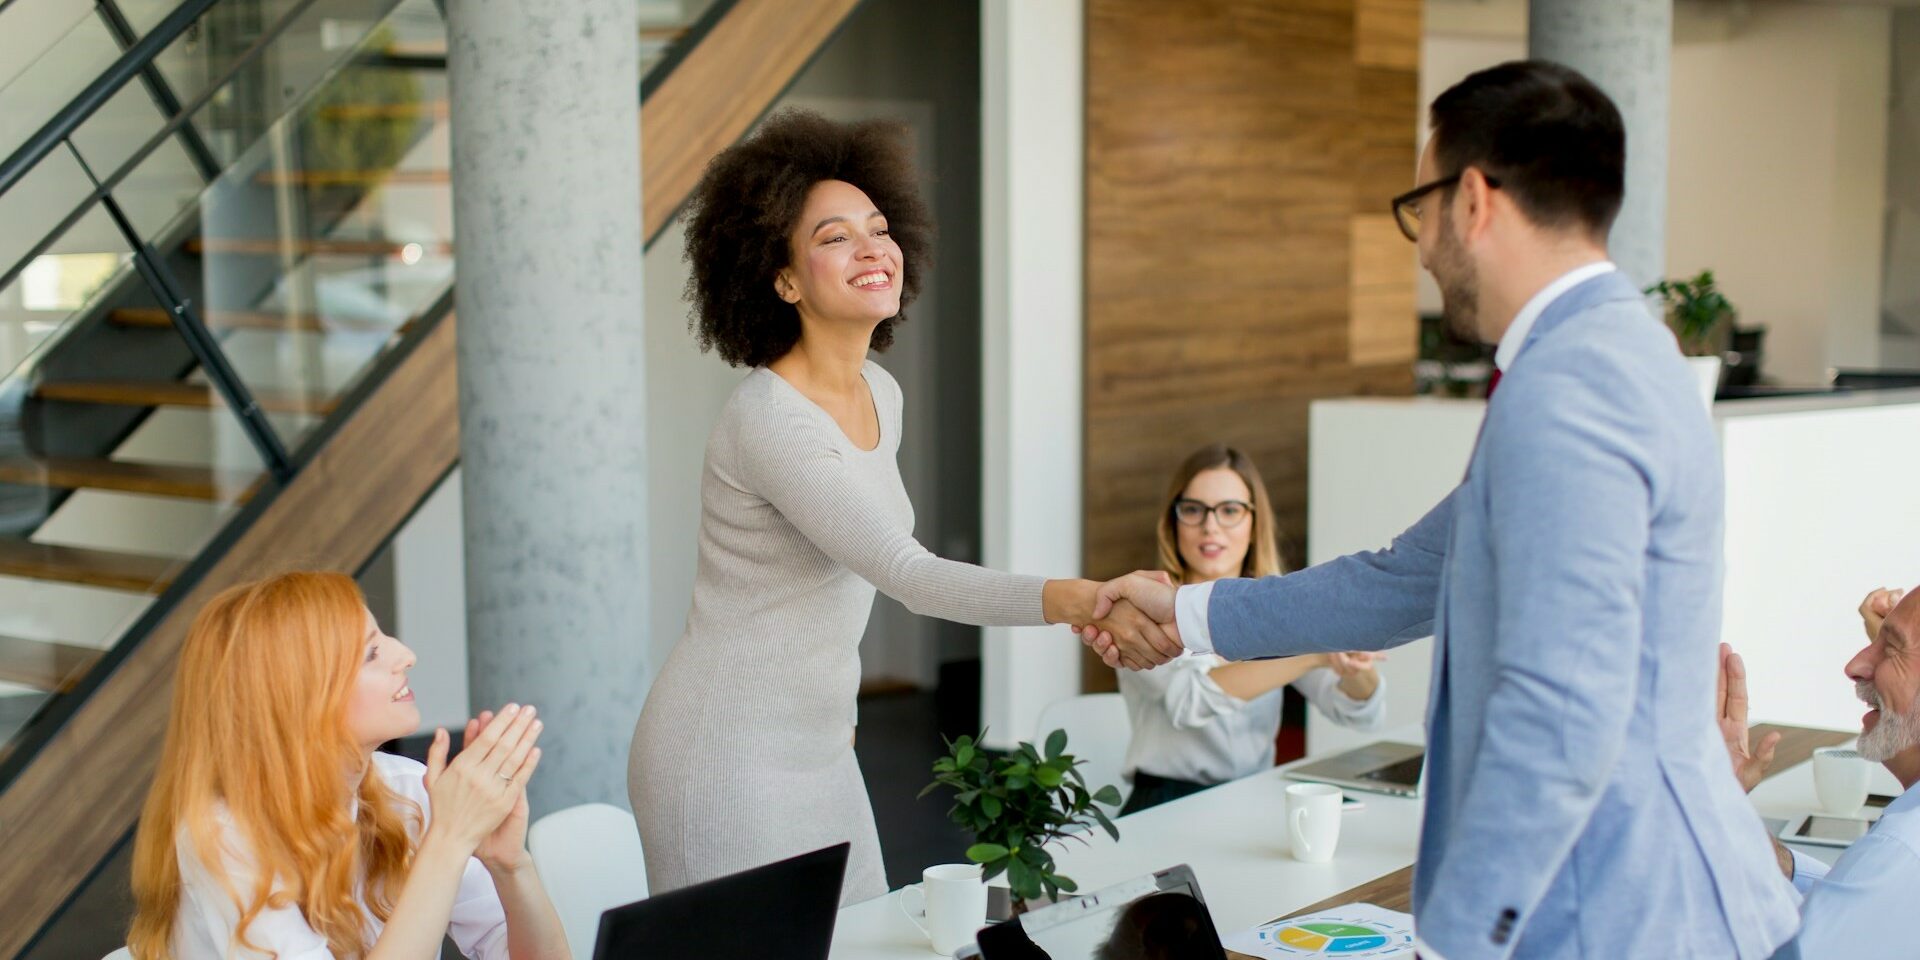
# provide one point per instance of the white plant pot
(1706, 371)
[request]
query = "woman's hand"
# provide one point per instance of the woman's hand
(506, 847)
(1358, 677)
(1353, 664)
(478, 793)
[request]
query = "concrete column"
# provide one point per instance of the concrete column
(546, 190)
(1625, 46)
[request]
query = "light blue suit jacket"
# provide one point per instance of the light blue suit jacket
(1578, 800)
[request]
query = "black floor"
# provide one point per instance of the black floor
(898, 741)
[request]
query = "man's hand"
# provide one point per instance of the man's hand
(1133, 624)
(1874, 609)
(1730, 707)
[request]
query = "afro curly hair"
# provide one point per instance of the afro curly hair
(742, 215)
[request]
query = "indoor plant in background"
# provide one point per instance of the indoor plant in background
(1015, 804)
(1702, 320)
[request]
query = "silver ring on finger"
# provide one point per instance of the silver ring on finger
(507, 777)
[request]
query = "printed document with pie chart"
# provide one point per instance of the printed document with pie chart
(1352, 932)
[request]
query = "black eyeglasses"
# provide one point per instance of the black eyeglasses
(1193, 513)
(1406, 215)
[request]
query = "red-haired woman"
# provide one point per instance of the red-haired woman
(274, 828)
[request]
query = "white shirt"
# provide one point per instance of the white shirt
(1185, 727)
(1190, 603)
(1857, 910)
(204, 926)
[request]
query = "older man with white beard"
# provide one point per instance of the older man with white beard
(1857, 909)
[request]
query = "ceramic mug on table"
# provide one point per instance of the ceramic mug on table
(1840, 780)
(1313, 821)
(952, 905)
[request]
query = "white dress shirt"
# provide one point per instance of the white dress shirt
(1190, 603)
(1185, 727)
(205, 924)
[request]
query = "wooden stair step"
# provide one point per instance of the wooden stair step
(312, 247)
(126, 476)
(45, 664)
(159, 318)
(139, 573)
(351, 178)
(173, 393)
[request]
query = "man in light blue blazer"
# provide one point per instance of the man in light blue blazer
(1578, 800)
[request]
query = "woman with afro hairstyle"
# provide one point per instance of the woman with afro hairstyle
(806, 240)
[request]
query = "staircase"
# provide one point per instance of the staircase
(239, 355)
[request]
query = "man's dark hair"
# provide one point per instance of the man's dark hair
(747, 203)
(1554, 142)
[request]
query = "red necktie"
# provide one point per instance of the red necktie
(1493, 380)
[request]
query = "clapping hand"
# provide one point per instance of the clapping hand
(1875, 608)
(480, 797)
(1133, 624)
(1730, 708)
(1353, 663)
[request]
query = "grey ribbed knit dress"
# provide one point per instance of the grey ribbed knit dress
(744, 752)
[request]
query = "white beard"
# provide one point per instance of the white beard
(1891, 734)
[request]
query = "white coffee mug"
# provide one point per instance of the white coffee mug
(1313, 821)
(1840, 779)
(952, 905)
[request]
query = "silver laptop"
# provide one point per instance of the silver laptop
(1384, 767)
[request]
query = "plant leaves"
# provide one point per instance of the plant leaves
(1108, 795)
(1056, 743)
(1048, 777)
(986, 852)
(963, 755)
(990, 806)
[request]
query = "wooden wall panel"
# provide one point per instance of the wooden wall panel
(1240, 155)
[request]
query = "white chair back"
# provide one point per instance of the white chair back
(121, 954)
(1097, 731)
(590, 860)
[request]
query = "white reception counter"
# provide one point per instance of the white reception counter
(1823, 504)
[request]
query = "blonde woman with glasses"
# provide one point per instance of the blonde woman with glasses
(1199, 720)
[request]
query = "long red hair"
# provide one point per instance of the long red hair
(258, 726)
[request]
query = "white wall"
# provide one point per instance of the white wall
(1777, 178)
(1032, 126)
(1812, 524)
(1362, 494)
(1776, 174)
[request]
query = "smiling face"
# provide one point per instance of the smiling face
(845, 266)
(381, 706)
(1214, 550)
(1886, 675)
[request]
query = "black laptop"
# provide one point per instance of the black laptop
(783, 909)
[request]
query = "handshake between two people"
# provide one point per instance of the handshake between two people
(1131, 621)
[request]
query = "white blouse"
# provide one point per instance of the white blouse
(208, 915)
(1186, 728)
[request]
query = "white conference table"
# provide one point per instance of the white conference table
(1232, 836)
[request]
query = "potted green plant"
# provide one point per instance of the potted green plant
(1702, 320)
(1699, 313)
(1017, 803)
